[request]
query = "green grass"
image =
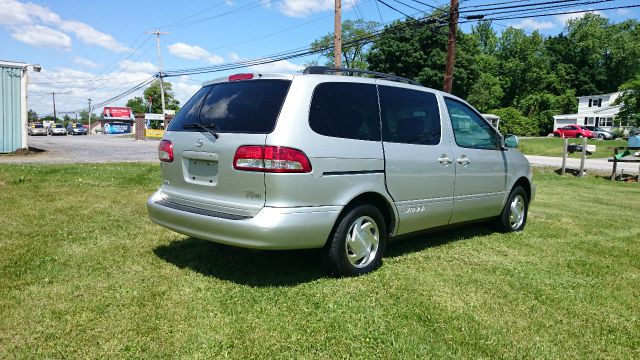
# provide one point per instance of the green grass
(85, 274)
(553, 147)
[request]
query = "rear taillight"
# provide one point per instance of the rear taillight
(273, 159)
(165, 151)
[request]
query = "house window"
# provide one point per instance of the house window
(590, 122)
(590, 102)
(608, 122)
(599, 102)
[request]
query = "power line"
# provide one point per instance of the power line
(394, 9)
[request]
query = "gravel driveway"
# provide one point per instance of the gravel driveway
(87, 149)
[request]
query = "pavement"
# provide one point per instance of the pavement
(599, 165)
(97, 148)
(94, 148)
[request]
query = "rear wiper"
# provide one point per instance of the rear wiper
(210, 128)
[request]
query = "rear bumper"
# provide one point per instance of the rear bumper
(272, 228)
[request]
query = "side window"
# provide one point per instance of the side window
(409, 116)
(345, 110)
(469, 129)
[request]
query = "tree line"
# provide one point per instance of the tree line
(525, 78)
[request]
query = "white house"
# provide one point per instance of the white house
(593, 110)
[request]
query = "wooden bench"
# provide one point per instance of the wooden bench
(615, 160)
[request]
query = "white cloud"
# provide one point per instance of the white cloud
(533, 24)
(283, 66)
(624, 12)
(302, 8)
(143, 67)
(92, 36)
(85, 62)
(15, 13)
(184, 88)
(42, 36)
(193, 52)
(564, 18)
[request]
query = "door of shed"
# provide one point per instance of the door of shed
(10, 109)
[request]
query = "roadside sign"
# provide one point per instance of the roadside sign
(153, 117)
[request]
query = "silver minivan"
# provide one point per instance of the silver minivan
(327, 159)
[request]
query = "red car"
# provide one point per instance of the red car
(573, 131)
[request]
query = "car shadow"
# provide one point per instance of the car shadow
(434, 238)
(288, 267)
(244, 266)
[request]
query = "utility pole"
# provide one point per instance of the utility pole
(337, 35)
(157, 33)
(89, 116)
(451, 45)
(55, 118)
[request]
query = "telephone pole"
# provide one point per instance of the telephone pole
(337, 35)
(55, 118)
(451, 45)
(89, 116)
(157, 33)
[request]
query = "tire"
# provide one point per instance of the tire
(515, 211)
(350, 254)
(578, 136)
(601, 136)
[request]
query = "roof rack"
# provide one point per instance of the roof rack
(324, 70)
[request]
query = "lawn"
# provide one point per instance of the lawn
(85, 274)
(553, 147)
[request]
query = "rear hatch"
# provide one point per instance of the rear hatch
(205, 135)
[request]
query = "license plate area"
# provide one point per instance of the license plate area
(200, 168)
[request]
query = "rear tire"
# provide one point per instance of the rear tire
(578, 136)
(515, 211)
(358, 241)
(601, 136)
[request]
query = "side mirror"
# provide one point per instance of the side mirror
(511, 141)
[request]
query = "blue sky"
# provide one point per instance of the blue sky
(99, 49)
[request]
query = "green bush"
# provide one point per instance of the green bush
(513, 122)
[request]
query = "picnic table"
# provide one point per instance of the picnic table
(619, 154)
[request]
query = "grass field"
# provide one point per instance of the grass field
(85, 274)
(553, 147)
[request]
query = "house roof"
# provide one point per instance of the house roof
(13, 64)
(598, 95)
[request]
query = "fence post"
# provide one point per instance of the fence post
(584, 156)
(565, 145)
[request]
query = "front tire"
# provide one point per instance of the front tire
(358, 241)
(515, 211)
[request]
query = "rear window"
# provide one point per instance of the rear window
(345, 110)
(240, 107)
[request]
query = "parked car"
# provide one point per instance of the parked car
(600, 133)
(340, 163)
(573, 131)
(76, 129)
(37, 129)
(57, 129)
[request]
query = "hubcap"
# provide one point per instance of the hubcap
(362, 242)
(516, 213)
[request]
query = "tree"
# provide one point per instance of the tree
(513, 122)
(137, 105)
(32, 116)
(630, 99)
(354, 55)
(486, 93)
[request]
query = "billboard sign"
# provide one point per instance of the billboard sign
(153, 117)
(115, 128)
(117, 112)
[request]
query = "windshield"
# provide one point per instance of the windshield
(79, 126)
(38, 126)
(58, 126)
(240, 107)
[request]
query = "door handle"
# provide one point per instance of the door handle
(444, 160)
(464, 160)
